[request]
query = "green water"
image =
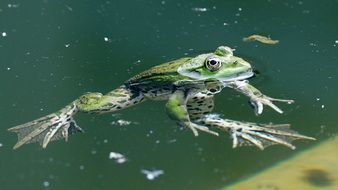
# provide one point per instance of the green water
(53, 51)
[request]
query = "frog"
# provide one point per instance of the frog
(188, 85)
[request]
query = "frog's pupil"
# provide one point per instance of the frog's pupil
(213, 62)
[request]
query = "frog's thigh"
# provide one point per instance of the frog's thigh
(176, 107)
(115, 100)
(199, 105)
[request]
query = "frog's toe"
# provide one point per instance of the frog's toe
(194, 127)
(257, 102)
(263, 136)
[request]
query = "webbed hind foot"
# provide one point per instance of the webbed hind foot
(252, 134)
(52, 127)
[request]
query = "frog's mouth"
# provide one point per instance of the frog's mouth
(240, 76)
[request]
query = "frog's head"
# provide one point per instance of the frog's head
(221, 65)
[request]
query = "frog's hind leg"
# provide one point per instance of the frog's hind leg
(199, 105)
(115, 100)
(243, 133)
(60, 124)
(252, 134)
(178, 110)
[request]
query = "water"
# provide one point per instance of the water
(53, 51)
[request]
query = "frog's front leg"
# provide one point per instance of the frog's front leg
(60, 124)
(257, 99)
(176, 109)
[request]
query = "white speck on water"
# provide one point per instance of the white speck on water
(1, 145)
(106, 39)
(199, 9)
(336, 42)
(3, 34)
(152, 174)
(118, 157)
(172, 141)
(313, 44)
(8, 68)
(82, 167)
(317, 99)
(67, 45)
(105, 141)
(69, 8)
(157, 141)
(121, 122)
(306, 11)
(225, 24)
(46, 184)
(240, 9)
(323, 106)
(13, 5)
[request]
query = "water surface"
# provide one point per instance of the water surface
(53, 51)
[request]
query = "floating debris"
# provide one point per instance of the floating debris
(1, 145)
(171, 141)
(152, 174)
(46, 184)
(199, 9)
(121, 122)
(13, 5)
(3, 34)
(260, 38)
(119, 158)
(69, 8)
(82, 167)
(106, 39)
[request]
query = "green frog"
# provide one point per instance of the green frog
(188, 86)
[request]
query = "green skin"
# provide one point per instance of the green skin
(188, 85)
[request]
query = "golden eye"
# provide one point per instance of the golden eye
(213, 63)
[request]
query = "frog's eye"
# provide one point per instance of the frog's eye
(213, 63)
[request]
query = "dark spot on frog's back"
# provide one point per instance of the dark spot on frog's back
(318, 177)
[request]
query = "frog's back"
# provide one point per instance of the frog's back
(165, 72)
